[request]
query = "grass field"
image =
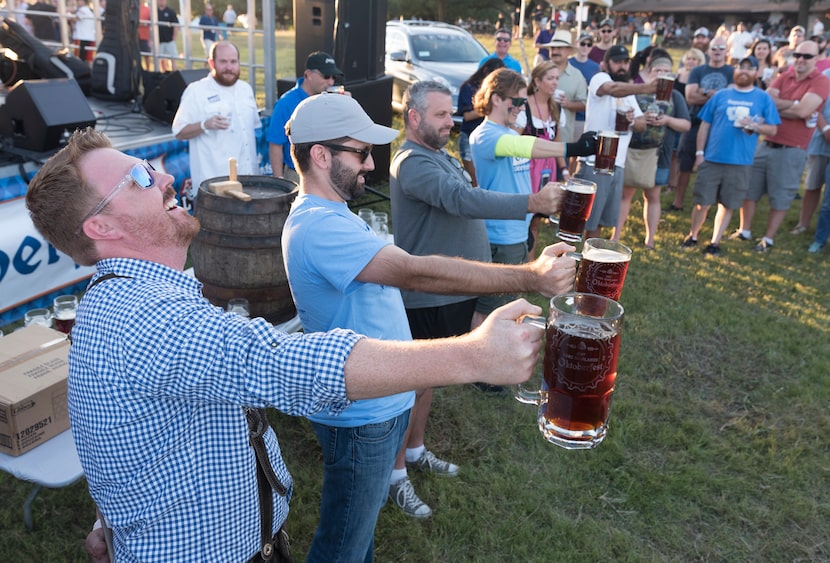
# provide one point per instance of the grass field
(717, 449)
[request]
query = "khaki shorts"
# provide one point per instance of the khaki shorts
(640, 168)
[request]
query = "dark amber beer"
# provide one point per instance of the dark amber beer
(580, 372)
(606, 154)
(576, 208)
(621, 122)
(64, 322)
(665, 85)
(64, 308)
(602, 268)
(582, 347)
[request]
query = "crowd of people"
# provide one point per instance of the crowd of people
(41, 20)
(783, 105)
(177, 454)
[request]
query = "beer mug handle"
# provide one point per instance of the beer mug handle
(551, 218)
(525, 395)
(574, 255)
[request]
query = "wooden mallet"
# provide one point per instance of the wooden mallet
(230, 187)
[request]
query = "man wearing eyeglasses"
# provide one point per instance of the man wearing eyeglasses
(219, 118)
(605, 38)
(779, 161)
(343, 275)
(588, 68)
(320, 73)
(704, 81)
(159, 379)
(503, 41)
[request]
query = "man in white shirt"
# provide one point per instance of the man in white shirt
(219, 117)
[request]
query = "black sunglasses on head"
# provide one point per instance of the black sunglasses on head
(805, 56)
(585, 44)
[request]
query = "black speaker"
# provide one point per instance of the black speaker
(39, 115)
(162, 97)
(314, 30)
(374, 97)
(352, 31)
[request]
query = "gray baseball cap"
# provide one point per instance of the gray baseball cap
(331, 116)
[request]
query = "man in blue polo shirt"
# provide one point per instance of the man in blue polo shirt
(320, 73)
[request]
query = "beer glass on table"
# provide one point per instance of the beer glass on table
(65, 307)
(39, 316)
(582, 346)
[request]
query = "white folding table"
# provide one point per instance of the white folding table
(53, 464)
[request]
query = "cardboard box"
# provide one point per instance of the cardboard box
(34, 366)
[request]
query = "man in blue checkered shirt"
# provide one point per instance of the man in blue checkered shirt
(158, 377)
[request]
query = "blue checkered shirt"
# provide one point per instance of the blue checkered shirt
(157, 381)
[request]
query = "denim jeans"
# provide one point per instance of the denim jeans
(357, 463)
(823, 227)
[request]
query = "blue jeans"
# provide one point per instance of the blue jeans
(823, 226)
(357, 463)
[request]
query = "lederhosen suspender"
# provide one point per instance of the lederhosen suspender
(274, 548)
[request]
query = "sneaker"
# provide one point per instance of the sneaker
(798, 230)
(815, 247)
(763, 246)
(689, 242)
(712, 249)
(672, 208)
(404, 497)
(490, 389)
(737, 235)
(429, 462)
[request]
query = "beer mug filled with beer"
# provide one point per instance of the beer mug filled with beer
(582, 346)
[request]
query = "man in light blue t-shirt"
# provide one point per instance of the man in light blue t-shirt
(503, 40)
(343, 275)
(502, 160)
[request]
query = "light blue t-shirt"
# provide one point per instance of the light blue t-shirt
(507, 174)
(508, 61)
(325, 246)
(726, 143)
(818, 146)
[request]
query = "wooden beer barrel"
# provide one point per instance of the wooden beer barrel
(238, 251)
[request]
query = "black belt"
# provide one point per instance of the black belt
(772, 145)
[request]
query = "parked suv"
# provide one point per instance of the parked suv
(423, 50)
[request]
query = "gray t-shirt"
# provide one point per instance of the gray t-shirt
(435, 210)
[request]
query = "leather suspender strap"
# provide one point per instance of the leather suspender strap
(267, 482)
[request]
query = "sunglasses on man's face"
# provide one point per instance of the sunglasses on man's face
(805, 56)
(718, 47)
(140, 174)
(364, 152)
(518, 102)
(585, 44)
(606, 30)
(503, 39)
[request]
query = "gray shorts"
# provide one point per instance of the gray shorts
(816, 172)
(502, 254)
(721, 183)
(168, 49)
(606, 210)
(776, 172)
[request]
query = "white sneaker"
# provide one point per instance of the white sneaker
(404, 497)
